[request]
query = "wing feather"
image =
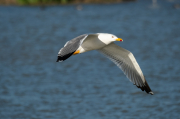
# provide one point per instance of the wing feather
(125, 60)
(70, 47)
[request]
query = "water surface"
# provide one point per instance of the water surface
(88, 86)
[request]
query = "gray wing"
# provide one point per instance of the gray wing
(125, 60)
(70, 47)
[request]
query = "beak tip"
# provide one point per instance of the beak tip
(119, 39)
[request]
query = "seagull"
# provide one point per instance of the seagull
(104, 43)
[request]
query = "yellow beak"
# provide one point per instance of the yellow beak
(119, 39)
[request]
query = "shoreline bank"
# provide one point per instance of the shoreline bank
(59, 2)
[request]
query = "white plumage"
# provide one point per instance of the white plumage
(103, 43)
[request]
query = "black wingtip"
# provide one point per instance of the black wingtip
(59, 59)
(146, 88)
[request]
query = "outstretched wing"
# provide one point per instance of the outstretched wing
(125, 60)
(70, 47)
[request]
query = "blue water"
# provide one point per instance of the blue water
(88, 86)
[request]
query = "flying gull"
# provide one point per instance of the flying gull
(103, 42)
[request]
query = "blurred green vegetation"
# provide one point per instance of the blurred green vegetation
(34, 2)
(48, 2)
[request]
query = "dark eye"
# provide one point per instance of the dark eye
(112, 36)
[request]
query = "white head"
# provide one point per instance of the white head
(108, 38)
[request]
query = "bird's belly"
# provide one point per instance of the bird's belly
(92, 45)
